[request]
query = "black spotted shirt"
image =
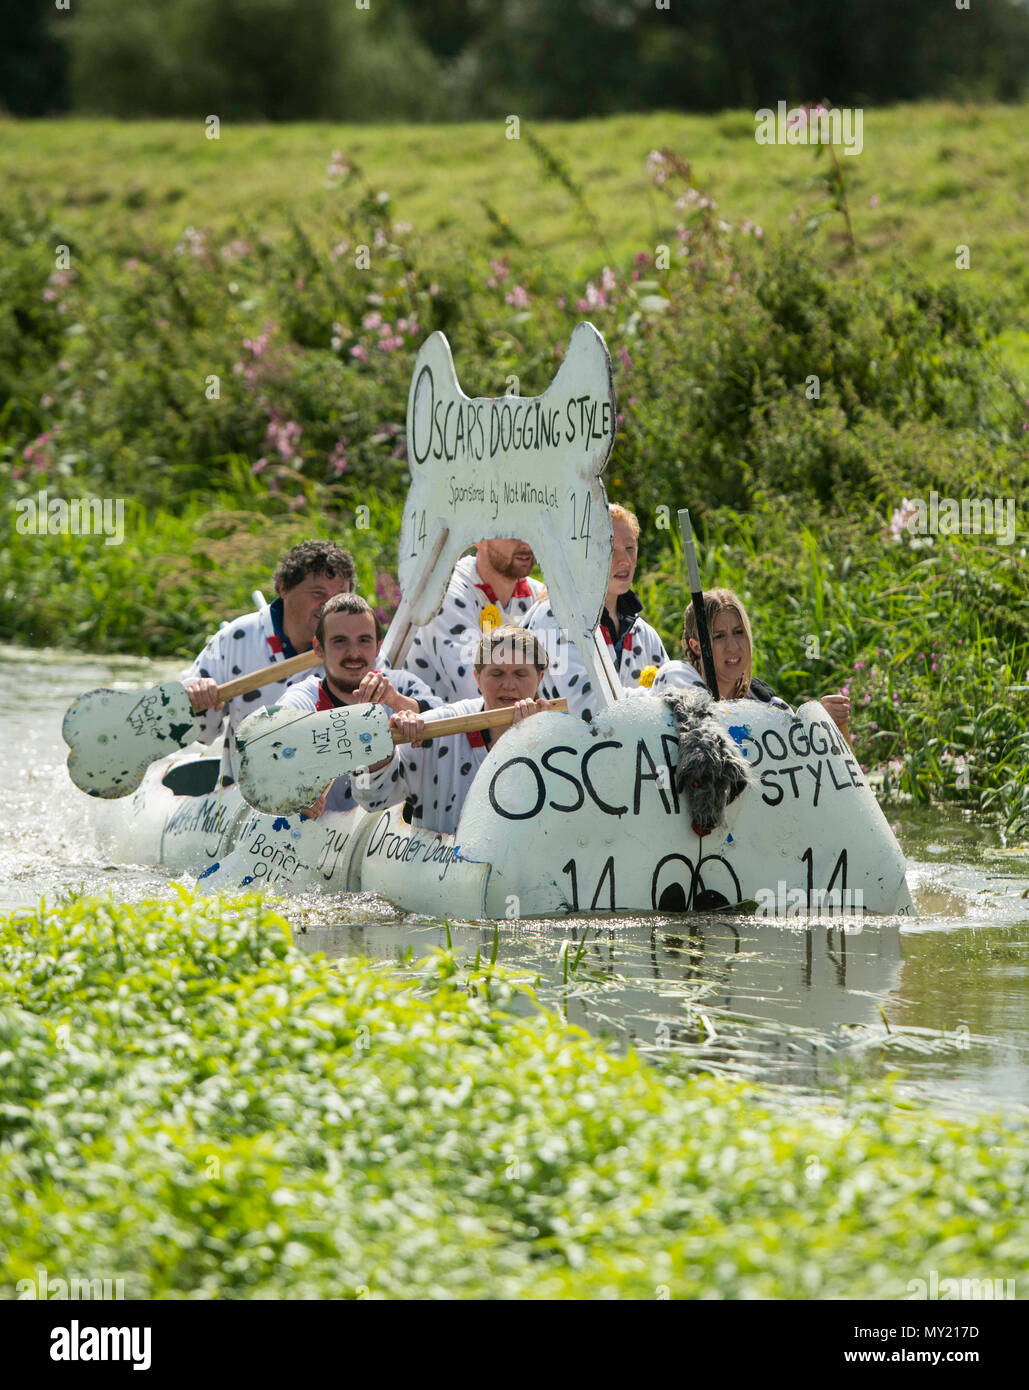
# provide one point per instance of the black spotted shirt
(632, 643)
(244, 645)
(436, 776)
(442, 653)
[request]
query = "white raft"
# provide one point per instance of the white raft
(216, 836)
(563, 817)
(566, 817)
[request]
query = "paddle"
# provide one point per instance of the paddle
(290, 756)
(114, 735)
(697, 595)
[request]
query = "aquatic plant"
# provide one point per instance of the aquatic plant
(191, 1104)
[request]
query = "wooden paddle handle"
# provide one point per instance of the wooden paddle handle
(481, 719)
(268, 675)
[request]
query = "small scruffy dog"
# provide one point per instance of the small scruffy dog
(711, 771)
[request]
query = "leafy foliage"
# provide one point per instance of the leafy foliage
(429, 59)
(189, 1103)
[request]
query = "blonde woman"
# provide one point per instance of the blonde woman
(732, 647)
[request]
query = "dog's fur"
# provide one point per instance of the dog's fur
(711, 771)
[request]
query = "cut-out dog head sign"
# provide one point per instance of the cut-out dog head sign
(519, 466)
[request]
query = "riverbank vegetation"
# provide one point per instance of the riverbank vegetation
(192, 1105)
(796, 353)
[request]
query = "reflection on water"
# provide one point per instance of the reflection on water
(943, 1000)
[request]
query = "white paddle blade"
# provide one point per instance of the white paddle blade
(114, 735)
(290, 756)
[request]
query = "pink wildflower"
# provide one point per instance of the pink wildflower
(517, 297)
(500, 274)
(902, 518)
(283, 437)
(593, 299)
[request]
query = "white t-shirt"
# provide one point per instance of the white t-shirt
(437, 776)
(310, 694)
(244, 645)
(442, 653)
(567, 677)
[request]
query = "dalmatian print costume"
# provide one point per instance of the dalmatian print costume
(442, 653)
(680, 675)
(633, 647)
(437, 777)
(237, 648)
(311, 693)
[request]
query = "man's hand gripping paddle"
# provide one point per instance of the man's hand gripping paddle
(114, 735)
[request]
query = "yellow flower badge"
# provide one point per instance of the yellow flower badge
(647, 676)
(490, 617)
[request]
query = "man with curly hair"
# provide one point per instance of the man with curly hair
(306, 578)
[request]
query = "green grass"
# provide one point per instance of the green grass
(190, 1104)
(944, 174)
(177, 574)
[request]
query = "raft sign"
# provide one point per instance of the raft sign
(585, 818)
(511, 466)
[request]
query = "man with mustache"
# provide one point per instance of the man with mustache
(487, 589)
(347, 641)
(305, 578)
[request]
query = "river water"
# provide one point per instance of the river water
(942, 1001)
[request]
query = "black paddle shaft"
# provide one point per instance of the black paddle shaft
(697, 595)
